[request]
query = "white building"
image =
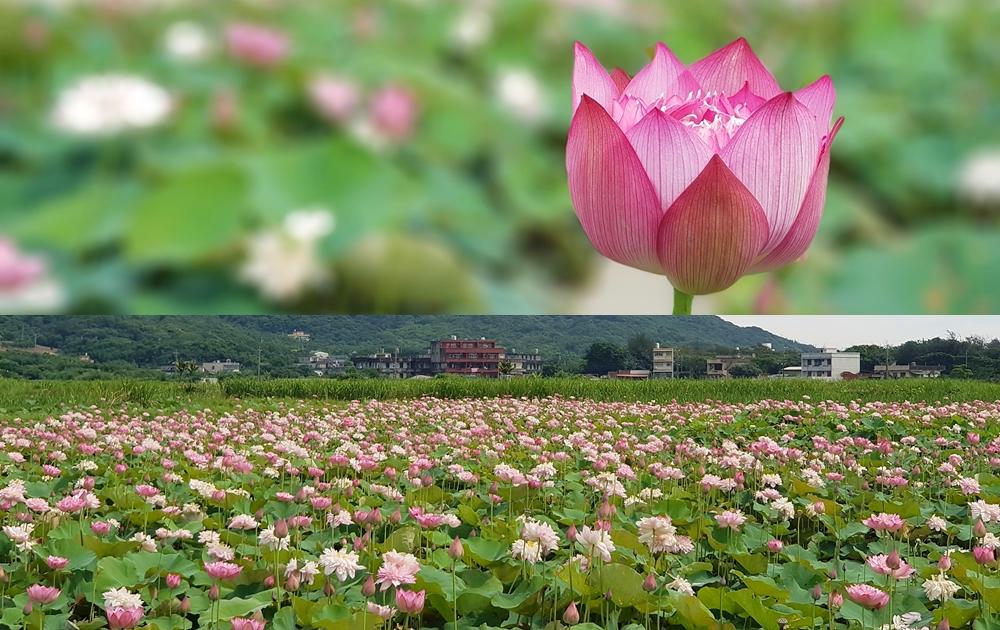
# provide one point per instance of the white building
(663, 362)
(830, 364)
(220, 367)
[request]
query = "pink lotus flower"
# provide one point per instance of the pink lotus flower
(867, 596)
(244, 623)
(173, 580)
(222, 570)
(410, 602)
(397, 569)
(257, 45)
(703, 173)
(120, 618)
(731, 519)
(983, 555)
(884, 522)
(40, 594)
(881, 564)
(16, 269)
(56, 563)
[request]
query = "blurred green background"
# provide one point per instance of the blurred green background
(419, 148)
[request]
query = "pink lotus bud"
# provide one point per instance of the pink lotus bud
(819, 507)
(774, 545)
(173, 580)
(328, 589)
(393, 112)
(27, 609)
(218, 496)
(606, 510)
(893, 560)
(456, 551)
(213, 592)
(720, 194)
(368, 588)
(292, 582)
(649, 584)
(88, 483)
(269, 581)
(944, 624)
(944, 562)
(281, 529)
(836, 600)
(185, 605)
(257, 45)
(571, 616)
(396, 517)
(410, 602)
(120, 468)
(817, 592)
(571, 533)
(979, 529)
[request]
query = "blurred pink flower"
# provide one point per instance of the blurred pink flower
(16, 269)
(880, 564)
(256, 45)
(703, 173)
(393, 110)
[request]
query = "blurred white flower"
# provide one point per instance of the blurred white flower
(24, 284)
(473, 26)
(283, 262)
(109, 104)
(521, 93)
(187, 41)
(979, 176)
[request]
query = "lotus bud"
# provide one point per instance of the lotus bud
(836, 600)
(269, 581)
(606, 510)
(328, 589)
(979, 530)
(649, 584)
(395, 517)
(944, 625)
(571, 533)
(368, 588)
(213, 592)
(456, 551)
(893, 560)
(819, 507)
(571, 616)
(775, 546)
(27, 609)
(292, 583)
(185, 605)
(281, 529)
(173, 580)
(817, 592)
(833, 574)
(944, 562)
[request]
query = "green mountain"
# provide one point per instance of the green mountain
(152, 341)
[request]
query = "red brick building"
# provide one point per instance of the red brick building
(467, 357)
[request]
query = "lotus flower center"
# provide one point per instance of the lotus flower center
(713, 116)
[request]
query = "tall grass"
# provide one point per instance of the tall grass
(682, 390)
(18, 397)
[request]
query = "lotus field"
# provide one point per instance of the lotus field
(503, 512)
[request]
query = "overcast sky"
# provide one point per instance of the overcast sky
(847, 330)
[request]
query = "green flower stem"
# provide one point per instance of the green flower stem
(682, 302)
